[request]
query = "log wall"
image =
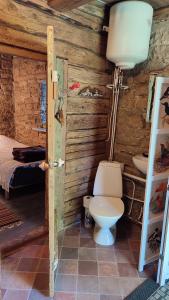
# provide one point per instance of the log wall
(7, 124)
(27, 77)
(79, 38)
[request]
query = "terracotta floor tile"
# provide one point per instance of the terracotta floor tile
(88, 268)
(127, 270)
(86, 232)
(108, 269)
(110, 297)
(87, 284)
(88, 297)
(109, 285)
(43, 266)
(71, 241)
(45, 251)
(41, 282)
(16, 295)
(134, 245)
(87, 242)
(28, 264)
(73, 231)
(124, 256)
(87, 254)
(10, 263)
(136, 256)
(60, 238)
(32, 251)
(121, 245)
(39, 295)
(115, 265)
(68, 266)
(17, 280)
(64, 296)
(106, 255)
(127, 285)
(65, 283)
(39, 241)
(69, 253)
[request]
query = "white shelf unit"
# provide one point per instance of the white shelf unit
(162, 131)
(152, 223)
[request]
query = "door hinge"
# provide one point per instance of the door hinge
(55, 76)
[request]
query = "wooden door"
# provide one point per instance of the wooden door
(57, 85)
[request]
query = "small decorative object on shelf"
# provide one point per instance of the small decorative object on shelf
(91, 92)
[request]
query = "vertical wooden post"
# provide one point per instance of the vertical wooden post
(50, 155)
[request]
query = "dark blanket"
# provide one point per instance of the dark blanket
(29, 154)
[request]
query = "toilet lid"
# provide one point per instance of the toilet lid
(106, 206)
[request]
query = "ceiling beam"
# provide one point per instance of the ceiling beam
(66, 5)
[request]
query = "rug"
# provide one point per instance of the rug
(161, 293)
(8, 218)
(144, 291)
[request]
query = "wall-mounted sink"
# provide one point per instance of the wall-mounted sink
(141, 163)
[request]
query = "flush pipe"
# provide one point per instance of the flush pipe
(116, 86)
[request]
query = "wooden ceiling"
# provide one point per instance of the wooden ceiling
(67, 5)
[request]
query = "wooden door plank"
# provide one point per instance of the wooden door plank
(51, 147)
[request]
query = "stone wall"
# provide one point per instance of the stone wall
(6, 100)
(133, 133)
(28, 75)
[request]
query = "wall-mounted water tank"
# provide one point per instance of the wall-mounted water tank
(129, 33)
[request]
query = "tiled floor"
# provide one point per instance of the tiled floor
(86, 271)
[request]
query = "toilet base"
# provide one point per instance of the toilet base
(105, 236)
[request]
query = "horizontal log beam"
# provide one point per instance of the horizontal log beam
(66, 5)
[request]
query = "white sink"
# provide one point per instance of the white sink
(141, 163)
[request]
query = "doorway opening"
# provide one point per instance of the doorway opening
(22, 148)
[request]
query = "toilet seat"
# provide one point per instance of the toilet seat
(109, 207)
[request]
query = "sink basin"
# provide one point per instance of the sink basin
(141, 163)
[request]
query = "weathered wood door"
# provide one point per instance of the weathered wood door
(57, 85)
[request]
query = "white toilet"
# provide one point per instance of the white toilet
(106, 207)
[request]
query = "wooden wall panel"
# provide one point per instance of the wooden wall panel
(87, 122)
(80, 40)
(24, 24)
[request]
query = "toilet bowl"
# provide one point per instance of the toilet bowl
(106, 207)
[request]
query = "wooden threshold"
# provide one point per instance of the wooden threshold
(15, 51)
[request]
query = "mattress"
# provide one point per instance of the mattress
(14, 173)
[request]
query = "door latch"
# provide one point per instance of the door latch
(52, 164)
(57, 164)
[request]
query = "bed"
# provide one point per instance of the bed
(15, 174)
